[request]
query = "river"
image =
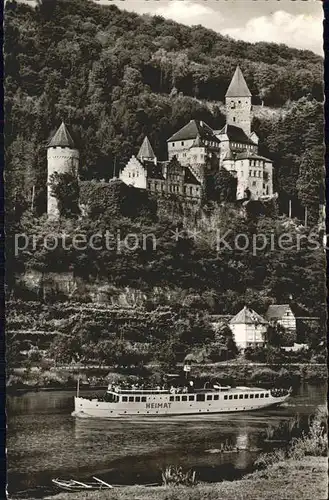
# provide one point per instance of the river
(44, 442)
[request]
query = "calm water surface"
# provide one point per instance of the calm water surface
(45, 442)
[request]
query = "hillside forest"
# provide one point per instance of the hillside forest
(114, 77)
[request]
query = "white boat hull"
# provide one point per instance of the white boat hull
(163, 405)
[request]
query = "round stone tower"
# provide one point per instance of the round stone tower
(62, 157)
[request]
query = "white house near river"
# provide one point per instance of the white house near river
(248, 328)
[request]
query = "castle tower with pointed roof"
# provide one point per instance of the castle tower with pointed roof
(238, 103)
(62, 157)
(146, 151)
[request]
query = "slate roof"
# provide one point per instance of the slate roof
(248, 316)
(154, 171)
(189, 177)
(236, 134)
(238, 86)
(251, 156)
(62, 138)
(146, 150)
(192, 130)
(277, 311)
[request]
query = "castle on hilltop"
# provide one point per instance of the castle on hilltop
(196, 149)
(193, 152)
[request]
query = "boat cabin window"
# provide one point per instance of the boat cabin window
(246, 396)
(131, 399)
(209, 397)
(267, 395)
(177, 398)
(171, 398)
(216, 397)
(262, 395)
(143, 399)
(124, 399)
(184, 398)
(240, 396)
(256, 395)
(225, 397)
(111, 398)
(200, 397)
(191, 398)
(230, 397)
(251, 396)
(138, 399)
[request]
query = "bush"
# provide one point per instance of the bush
(265, 376)
(315, 443)
(175, 476)
(267, 459)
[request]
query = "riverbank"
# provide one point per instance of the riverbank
(303, 479)
(242, 372)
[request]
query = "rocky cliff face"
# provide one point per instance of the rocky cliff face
(52, 286)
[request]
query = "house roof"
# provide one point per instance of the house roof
(193, 130)
(236, 134)
(154, 171)
(277, 311)
(62, 138)
(238, 86)
(146, 150)
(189, 177)
(248, 316)
(251, 156)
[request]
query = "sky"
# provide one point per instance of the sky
(297, 23)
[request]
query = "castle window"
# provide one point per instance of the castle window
(249, 173)
(234, 118)
(254, 183)
(173, 144)
(191, 190)
(239, 102)
(182, 143)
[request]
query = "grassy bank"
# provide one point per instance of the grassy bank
(303, 479)
(58, 377)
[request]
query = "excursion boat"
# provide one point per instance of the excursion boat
(122, 402)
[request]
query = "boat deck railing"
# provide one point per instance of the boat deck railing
(138, 391)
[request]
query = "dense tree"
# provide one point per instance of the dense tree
(310, 183)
